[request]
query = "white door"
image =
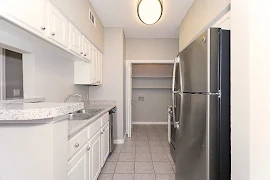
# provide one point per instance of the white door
(95, 156)
(79, 165)
(129, 97)
(75, 38)
(27, 13)
(58, 26)
(105, 143)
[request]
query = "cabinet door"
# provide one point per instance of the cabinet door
(30, 14)
(95, 155)
(79, 165)
(93, 64)
(58, 26)
(87, 49)
(105, 143)
(100, 67)
(75, 38)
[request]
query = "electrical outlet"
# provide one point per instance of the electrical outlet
(16, 92)
(141, 98)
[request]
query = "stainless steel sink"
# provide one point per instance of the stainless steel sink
(79, 116)
(84, 114)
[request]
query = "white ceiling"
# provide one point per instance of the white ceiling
(123, 13)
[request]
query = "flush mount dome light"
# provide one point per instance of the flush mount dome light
(149, 11)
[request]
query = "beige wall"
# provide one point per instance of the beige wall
(113, 75)
(250, 90)
(151, 49)
(77, 12)
(202, 14)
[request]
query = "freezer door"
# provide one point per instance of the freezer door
(196, 138)
(199, 63)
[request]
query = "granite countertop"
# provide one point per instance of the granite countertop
(75, 126)
(36, 111)
(24, 100)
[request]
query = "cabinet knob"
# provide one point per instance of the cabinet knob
(101, 133)
(88, 148)
(81, 52)
(53, 34)
(42, 28)
(84, 55)
(76, 145)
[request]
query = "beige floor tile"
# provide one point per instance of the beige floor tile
(123, 177)
(126, 157)
(124, 167)
(144, 177)
(165, 176)
(143, 157)
(105, 177)
(144, 167)
(163, 167)
(162, 157)
(108, 168)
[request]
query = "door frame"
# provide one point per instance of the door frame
(2, 75)
(128, 88)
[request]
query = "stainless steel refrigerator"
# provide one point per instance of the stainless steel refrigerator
(201, 108)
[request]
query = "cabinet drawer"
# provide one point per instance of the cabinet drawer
(105, 119)
(94, 128)
(77, 142)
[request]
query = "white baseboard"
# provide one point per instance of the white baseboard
(150, 123)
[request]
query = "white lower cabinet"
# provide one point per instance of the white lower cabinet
(78, 166)
(87, 162)
(95, 156)
(105, 143)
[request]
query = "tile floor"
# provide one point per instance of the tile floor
(145, 156)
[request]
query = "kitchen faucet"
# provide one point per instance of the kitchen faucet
(74, 95)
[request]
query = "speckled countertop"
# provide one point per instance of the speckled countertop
(24, 100)
(75, 126)
(36, 111)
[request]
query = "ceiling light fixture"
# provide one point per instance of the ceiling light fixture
(150, 11)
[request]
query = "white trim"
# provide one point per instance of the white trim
(128, 89)
(150, 123)
(118, 141)
(2, 75)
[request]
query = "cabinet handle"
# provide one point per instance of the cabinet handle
(88, 148)
(53, 34)
(42, 28)
(76, 145)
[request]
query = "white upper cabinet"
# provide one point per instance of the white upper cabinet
(99, 67)
(224, 22)
(29, 14)
(75, 39)
(94, 64)
(86, 47)
(57, 26)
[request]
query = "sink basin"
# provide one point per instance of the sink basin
(90, 111)
(79, 116)
(84, 114)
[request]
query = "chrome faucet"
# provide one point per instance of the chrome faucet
(74, 95)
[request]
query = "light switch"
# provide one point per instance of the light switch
(16, 92)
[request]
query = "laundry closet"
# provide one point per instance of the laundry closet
(151, 92)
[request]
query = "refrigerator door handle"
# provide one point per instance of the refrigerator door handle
(180, 74)
(173, 80)
(175, 124)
